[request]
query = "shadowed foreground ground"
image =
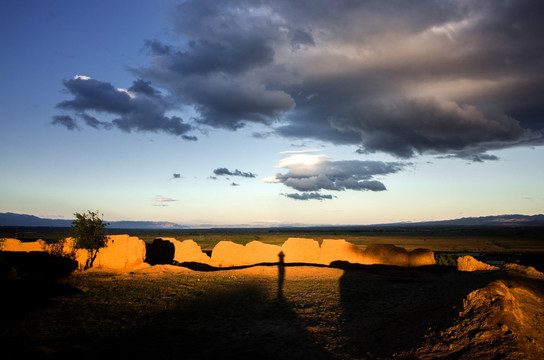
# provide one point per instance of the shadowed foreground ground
(365, 312)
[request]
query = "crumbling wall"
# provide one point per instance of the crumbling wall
(385, 254)
(8, 244)
(228, 253)
(125, 252)
(421, 257)
(301, 250)
(468, 263)
(257, 252)
(121, 252)
(340, 250)
(188, 251)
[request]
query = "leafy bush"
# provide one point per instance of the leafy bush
(88, 233)
(57, 249)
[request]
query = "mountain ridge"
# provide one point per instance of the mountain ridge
(13, 219)
(510, 220)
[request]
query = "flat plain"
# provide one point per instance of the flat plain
(448, 239)
(340, 312)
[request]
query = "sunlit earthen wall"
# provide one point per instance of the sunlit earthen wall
(126, 252)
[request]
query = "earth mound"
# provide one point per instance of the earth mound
(502, 320)
(468, 263)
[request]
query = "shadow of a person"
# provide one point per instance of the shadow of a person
(390, 310)
(281, 274)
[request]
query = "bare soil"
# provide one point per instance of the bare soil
(352, 312)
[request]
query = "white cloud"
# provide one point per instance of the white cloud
(302, 161)
(271, 180)
(295, 152)
(162, 200)
(129, 93)
(317, 172)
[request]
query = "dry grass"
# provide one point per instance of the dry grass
(437, 239)
(434, 242)
(324, 313)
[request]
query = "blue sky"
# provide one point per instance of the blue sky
(214, 113)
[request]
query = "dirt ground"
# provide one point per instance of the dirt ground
(301, 312)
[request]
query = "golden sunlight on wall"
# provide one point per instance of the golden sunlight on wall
(127, 252)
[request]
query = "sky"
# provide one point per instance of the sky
(270, 113)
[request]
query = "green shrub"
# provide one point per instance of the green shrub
(88, 233)
(57, 249)
(446, 260)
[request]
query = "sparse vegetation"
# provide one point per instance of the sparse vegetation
(446, 260)
(323, 314)
(474, 240)
(58, 249)
(88, 232)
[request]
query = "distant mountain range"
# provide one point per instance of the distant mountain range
(499, 220)
(11, 219)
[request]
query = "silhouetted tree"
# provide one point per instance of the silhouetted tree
(88, 232)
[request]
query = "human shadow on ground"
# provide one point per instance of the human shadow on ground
(281, 274)
(206, 267)
(385, 310)
(29, 280)
(240, 322)
(389, 310)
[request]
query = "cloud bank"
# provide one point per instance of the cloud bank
(438, 77)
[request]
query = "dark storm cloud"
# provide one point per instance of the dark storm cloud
(324, 182)
(203, 56)
(140, 108)
(227, 172)
(224, 101)
(437, 77)
(316, 172)
(434, 77)
(215, 70)
(144, 87)
(65, 120)
(156, 47)
(91, 94)
(482, 157)
(229, 103)
(308, 196)
(424, 125)
(189, 137)
(94, 122)
(476, 157)
(299, 38)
